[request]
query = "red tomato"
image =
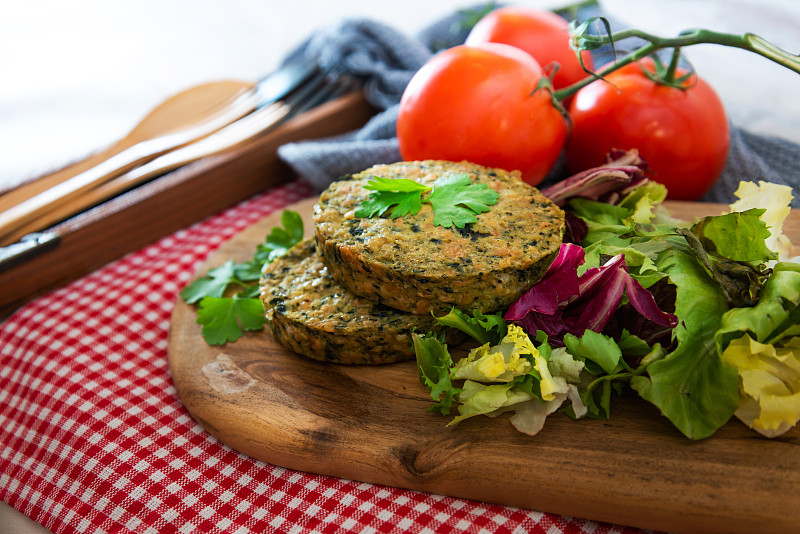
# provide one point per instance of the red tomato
(542, 34)
(478, 103)
(682, 133)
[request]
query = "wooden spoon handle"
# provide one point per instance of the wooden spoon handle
(63, 205)
(36, 209)
(182, 110)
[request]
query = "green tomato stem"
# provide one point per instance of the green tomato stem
(673, 65)
(747, 41)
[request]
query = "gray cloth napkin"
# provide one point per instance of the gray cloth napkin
(385, 59)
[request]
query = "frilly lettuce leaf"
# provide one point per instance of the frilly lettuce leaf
(769, 383)
(763, 344)
(498, 363)
(487, 399)
(644, 201)
(434, 364)
(504, 377)
(529, 416)
(775, 200)
(513, 357)
(562, 363)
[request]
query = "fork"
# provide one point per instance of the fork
(98, 184)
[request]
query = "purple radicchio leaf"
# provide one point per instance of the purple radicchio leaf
(576, 228)
(562, 302)
(628, 318)
(623, 172)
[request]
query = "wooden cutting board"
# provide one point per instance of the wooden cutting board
(371, 424)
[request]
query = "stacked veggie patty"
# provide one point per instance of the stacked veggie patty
(372, 281)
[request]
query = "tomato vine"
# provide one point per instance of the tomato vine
(584, 39)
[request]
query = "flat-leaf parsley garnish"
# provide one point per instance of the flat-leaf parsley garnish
(227, 297)
(454, 198)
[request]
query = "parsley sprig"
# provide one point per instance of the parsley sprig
(227, 297)
(454, 198)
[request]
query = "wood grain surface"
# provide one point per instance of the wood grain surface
(371, 424)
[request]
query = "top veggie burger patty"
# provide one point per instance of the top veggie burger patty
(411, 265)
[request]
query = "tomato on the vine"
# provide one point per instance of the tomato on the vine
(541, 33)
(682, 132)
(481, 103)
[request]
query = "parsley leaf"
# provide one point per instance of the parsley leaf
(400, 196)
(403, 185)
(213, 284)
(455, 199)
(277, 243)
(224, 318)
(281, 239)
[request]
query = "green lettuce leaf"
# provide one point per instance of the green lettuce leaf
(601, 353)
(738, 236)
(482, 328)
(643, 201)
(434, 364)
(605, 222)
(691, 386)
(482, 399)
(493, 363)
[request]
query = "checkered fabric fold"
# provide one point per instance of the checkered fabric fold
(94, 439)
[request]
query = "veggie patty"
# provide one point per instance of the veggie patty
(311, 314)
(410, 264)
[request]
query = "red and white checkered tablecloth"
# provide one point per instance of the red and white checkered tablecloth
(94, 439)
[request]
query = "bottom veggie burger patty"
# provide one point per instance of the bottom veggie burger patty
(311, 314)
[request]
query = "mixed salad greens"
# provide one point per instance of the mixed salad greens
(701, 319)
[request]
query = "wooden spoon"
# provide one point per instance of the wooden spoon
(179, 111)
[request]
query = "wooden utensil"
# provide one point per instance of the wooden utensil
(271, 89)
(176, 112)
(370, 423)
(30, 209)
(314, 92)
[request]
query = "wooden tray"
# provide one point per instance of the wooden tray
(170, 202)
(370, 424)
